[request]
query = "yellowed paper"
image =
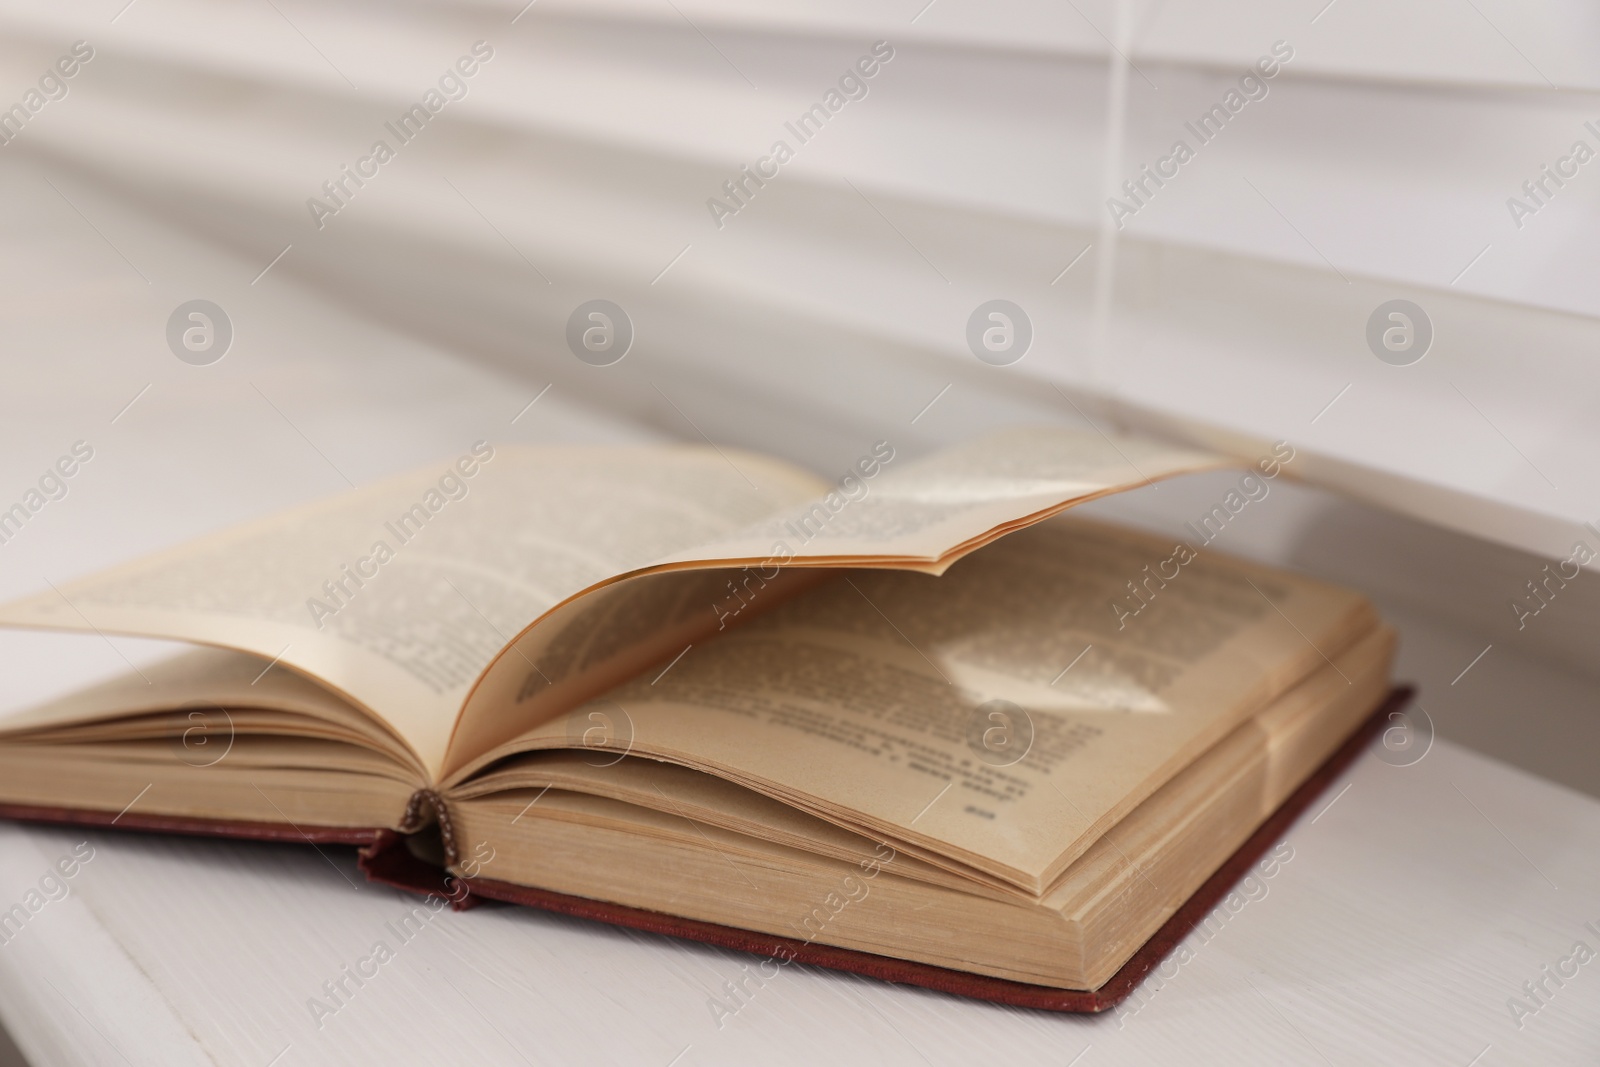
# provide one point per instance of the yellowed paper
(398, 596)
(872, 700)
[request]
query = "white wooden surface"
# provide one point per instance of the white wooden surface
(1411, 910)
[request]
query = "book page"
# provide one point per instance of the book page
(399, 595)
(931, 510)
(200, 699)
(595, 641)
(408, 597)
(919, 516)
(1004, 714)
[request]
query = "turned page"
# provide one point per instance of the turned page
(882, 512)
(397, 596)
(1004, 714)
(890, 511)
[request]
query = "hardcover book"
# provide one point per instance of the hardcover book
(915, 722)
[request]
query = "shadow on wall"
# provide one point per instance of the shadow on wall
(9, 1056)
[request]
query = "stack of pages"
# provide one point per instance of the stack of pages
(914, 722)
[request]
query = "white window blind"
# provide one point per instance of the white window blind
(1228, 304)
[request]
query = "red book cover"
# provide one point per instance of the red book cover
(385, 858)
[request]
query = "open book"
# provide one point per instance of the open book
(915, 715)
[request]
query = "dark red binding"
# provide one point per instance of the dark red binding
(193, 827)
(382, 862)
(385, 858)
